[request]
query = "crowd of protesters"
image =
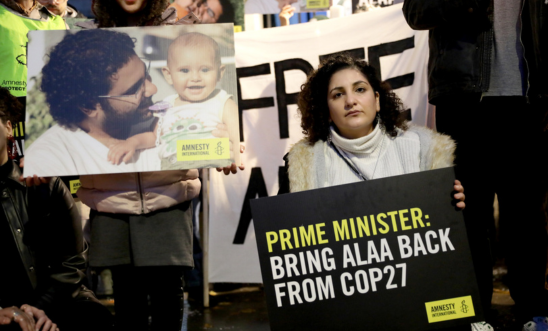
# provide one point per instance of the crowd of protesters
(488, 82)
(46, 288)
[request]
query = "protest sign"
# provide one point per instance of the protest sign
(272, 64)
(385, 254)
(131, 100)
(275, 6)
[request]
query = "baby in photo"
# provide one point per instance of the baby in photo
(193, 68)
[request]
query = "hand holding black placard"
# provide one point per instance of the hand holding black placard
(354, 256)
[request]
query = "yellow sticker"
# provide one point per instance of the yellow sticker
(449, 309)
(315, 4)
(203, 149)
(237, 28)
(74, 186)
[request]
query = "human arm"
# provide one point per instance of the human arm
(230, 129)
(283, 3)
(284, 178)
(123, 150)
(286, 14)
(15, 315)
(41, 319)
(430, 14)
(55, 231)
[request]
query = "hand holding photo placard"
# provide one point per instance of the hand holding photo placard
(131, 100)
(386, 254)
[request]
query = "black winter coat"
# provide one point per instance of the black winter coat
(461, 38)
(47, 229)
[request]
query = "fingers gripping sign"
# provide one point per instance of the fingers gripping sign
(14, 315)
(41, 319)
(222, 132)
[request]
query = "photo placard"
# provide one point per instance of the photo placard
(131, 100)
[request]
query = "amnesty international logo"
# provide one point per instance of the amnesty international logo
(219, 150)
(464, 307)
(450, 309)
(22, 59)
(203, 149)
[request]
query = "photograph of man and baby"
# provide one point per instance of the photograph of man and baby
(131, 100)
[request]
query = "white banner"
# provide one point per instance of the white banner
(271, 68)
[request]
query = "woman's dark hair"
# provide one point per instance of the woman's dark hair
(10, 108)
(80, 69)
(312, 101)
(109, 14)
(228, 12)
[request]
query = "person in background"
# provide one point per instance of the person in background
(141, 223)
(43, 250)
(208, 11)
(354, 132)
(285, 14)
(61, 8)
(216, 11)
(120, 13)
(149, 248)
(17, 18)
(487, 78)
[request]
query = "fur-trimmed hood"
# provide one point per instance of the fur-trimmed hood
(303, 169)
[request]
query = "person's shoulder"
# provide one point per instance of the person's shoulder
(73, 12)
(222, 93)
(52, 142)
(436, 147)
(419, 132)
(409, 136)
(57, 132)
(87, 24)
(424, 133)
(171, 99)
(303, 149)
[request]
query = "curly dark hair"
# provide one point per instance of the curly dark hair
(109, 14)
(10, 108)
(80, 69)
(228, 12)
(312, 101)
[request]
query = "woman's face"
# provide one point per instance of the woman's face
(132, 6)
(352, 103)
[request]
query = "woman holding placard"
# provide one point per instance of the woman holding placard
(354, 131)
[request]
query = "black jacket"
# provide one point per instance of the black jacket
(461, 39)
(47, 229)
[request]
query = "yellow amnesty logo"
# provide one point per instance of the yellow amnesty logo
(237, 28)
(74, 186)
(311, 4)
(203, 149)
(449, 309)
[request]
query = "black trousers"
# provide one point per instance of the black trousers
(500, 151)
(140, 292)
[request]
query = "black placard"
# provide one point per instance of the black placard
(412, 211)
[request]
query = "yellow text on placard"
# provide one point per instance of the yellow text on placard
(313, 4)
(449, 309)
(203, 149)
(237, 28)
(74, 186)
